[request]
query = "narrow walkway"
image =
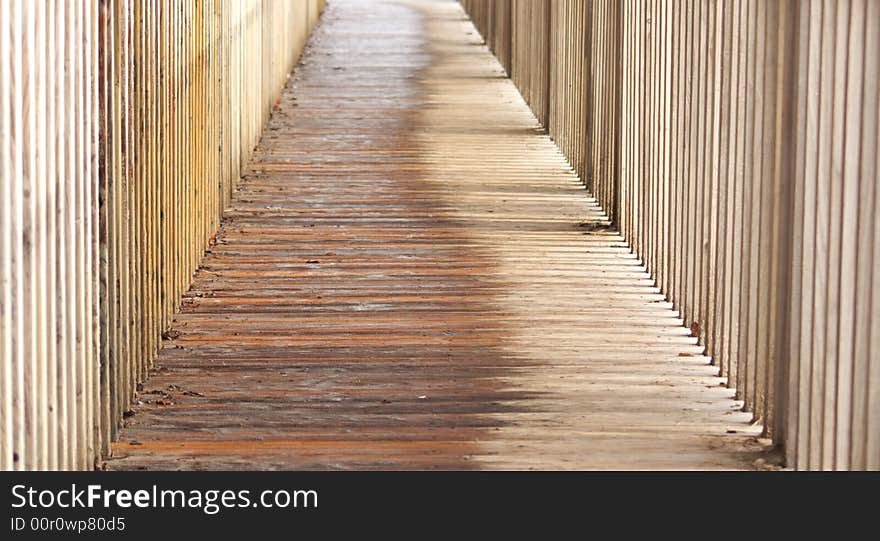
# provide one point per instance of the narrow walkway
(412, 277)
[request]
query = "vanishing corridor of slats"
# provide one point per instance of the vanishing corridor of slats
(411, 276)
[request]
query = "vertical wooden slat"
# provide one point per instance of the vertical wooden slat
(6, 228)
(865, 452)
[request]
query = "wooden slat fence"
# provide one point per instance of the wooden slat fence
(735, 145)
(124, 127)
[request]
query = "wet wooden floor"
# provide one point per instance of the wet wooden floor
(411, 276)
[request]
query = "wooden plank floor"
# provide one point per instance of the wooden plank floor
(411, 276)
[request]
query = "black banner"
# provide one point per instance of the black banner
(165, 505)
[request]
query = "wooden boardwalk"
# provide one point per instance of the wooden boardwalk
(411, 276)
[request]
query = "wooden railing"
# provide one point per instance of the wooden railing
(735, 145)
(124, 127)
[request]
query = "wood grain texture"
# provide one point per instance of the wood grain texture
(410, 275)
